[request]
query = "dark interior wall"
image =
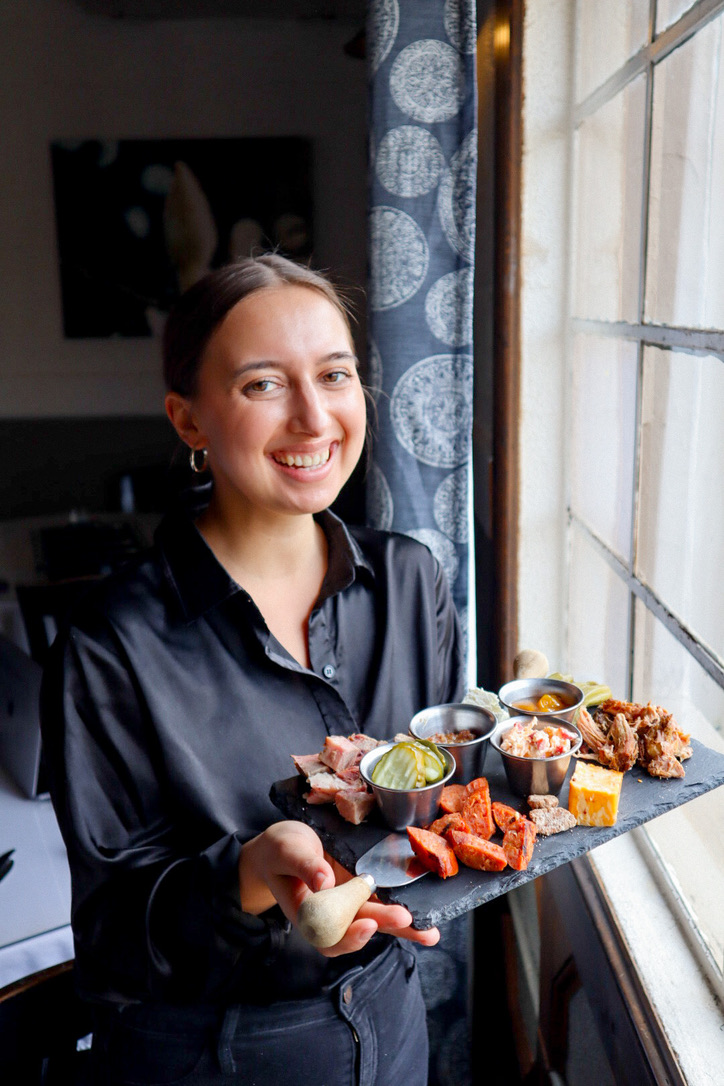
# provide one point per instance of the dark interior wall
(77, 413)
(58, 465)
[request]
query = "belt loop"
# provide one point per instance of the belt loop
(411, 956)
(224, 1048)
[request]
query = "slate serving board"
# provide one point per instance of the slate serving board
(433, 901)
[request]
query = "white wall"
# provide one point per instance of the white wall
(67, 74)
(547, 58)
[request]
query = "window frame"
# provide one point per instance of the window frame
(646, 334)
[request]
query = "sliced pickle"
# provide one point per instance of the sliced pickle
(434, 760)
(398, 768)
(593, 693)
(408, 765)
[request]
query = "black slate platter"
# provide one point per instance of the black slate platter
(433, 901)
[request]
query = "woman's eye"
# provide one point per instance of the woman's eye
(336, 377)
(264, 384)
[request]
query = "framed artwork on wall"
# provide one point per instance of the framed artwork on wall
(140, 220)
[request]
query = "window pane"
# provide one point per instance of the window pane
(685, 260)
(681, 504)
(691, 838)
(598, 619)
(608, 32)
(668, 11)
(609, 164)
(603, 437)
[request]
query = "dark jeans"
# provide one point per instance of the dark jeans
(368, 1029)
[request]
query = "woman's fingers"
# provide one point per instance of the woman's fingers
(388, 919)
(288, 860)
(285, 862)
(396, 920)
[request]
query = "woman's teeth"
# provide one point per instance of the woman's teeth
(305, 461)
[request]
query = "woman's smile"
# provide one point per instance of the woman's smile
(305, 460)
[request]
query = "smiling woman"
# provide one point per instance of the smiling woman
(277, 405)
(254, 629)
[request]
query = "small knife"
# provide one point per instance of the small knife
(6, 862)
(324, 917)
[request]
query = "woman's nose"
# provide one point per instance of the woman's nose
(309, 413)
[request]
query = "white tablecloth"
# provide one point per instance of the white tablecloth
(35, 893)
(31, 955)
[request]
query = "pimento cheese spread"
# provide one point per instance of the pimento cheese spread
(527, 741)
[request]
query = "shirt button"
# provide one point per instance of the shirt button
(328, 671)
(347, 994)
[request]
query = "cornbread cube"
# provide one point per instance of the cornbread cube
(594, 794)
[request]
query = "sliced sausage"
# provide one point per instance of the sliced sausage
(476, 785)
(477, 812)
(518, 843)
(451, 798)
(433, 852)
(475, 852)
(448, 822)
(505, 816)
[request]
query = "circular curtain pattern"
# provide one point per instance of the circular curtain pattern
(427, 81)
(450, 505)
(432, 412)
(456, 198)
(409, 161)
(399, 257)
(449, 308)
(383, 21)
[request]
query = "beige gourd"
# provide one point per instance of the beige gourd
(530, 664)
(324, 917)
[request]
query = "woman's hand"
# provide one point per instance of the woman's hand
(286, 863)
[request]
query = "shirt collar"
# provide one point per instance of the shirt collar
(200, 582)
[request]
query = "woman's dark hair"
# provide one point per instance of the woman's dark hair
(202, 308)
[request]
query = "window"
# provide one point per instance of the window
(646, 400)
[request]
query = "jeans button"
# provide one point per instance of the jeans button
(347, 994)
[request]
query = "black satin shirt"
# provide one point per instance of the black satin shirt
(169, 709)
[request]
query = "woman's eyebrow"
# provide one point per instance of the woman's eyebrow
(267, 363)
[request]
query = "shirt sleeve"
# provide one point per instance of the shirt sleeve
(155, 913)
(450, 642)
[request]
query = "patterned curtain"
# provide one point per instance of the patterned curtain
(423, 149)
(423, 144)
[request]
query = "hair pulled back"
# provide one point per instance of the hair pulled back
(202, 308)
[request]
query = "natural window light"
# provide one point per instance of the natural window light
(646, 357)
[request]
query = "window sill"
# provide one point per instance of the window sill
(686, 1006)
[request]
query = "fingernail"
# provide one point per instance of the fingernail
(319, 880)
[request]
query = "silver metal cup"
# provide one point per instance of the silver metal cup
(400, 807)
(455, 717)
(532, 689)
(536, 776)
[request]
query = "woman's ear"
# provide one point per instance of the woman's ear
(179, 411)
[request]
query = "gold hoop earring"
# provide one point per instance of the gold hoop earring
(199, 469)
